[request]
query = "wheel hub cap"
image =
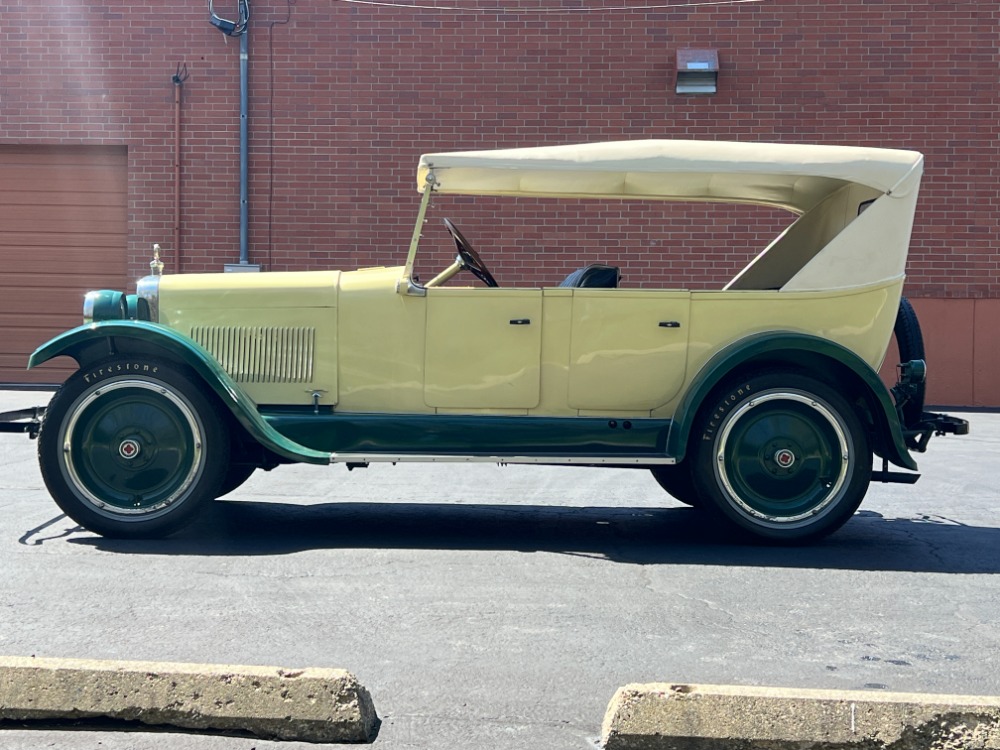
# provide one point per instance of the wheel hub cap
(129, 449)
(782, 457)
(132, 447)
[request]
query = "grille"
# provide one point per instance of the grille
(259, 354)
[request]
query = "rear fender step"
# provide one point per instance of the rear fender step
(933, 424)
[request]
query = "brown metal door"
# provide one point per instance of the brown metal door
(62, 233)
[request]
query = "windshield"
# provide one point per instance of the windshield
(656, 245)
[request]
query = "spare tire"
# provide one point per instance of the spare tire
(910, 341)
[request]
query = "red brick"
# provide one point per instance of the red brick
(359, 92)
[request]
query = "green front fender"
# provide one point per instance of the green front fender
(829, 360)
(96, 341)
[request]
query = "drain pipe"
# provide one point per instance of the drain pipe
(245, 147)
(241, 29)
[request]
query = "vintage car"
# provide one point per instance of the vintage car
(759, 402)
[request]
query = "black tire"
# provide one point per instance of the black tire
(235, 476)
(781, 456)
(130, 448)
(677, 482)
(910, 342)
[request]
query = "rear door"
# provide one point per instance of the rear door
(628, 348)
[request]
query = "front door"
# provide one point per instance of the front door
(483, 348)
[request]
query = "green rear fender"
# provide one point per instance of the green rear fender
(97, 341)
(810, 355)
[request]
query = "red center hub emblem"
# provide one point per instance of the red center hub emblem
(129, 449)
(784, 458)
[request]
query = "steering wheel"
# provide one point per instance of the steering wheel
(468, 258)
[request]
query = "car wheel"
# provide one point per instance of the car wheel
(781, 456)
(131, 448)
(677, 482)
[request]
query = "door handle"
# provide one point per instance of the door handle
(669, 324)
(520, 321)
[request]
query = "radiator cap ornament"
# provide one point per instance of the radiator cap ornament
(156, 265)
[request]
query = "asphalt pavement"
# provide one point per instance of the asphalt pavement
(487, 606)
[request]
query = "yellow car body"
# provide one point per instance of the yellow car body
(362, 347)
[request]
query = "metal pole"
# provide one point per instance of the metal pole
(244, 146)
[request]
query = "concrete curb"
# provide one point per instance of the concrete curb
(311, 705)
(664, 716)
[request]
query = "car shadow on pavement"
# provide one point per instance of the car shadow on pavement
(641, 536)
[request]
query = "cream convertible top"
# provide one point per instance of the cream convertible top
(826, 248)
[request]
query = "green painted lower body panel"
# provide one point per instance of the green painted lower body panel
(463, 435)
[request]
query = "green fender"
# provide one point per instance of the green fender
(95, 341)
(796, 349)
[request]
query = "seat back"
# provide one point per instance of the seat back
(595, 276)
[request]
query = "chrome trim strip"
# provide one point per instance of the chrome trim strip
(336, 458)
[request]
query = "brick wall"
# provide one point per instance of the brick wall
(344, 98)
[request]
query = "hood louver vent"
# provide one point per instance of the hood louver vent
(257, 354)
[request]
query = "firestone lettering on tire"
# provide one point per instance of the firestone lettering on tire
(119, 369)
(716, 419)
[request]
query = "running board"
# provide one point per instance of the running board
(360, 460)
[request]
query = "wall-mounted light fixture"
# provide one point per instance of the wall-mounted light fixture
(697, 71)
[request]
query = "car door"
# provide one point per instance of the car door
(628, 348)
(483, 348)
